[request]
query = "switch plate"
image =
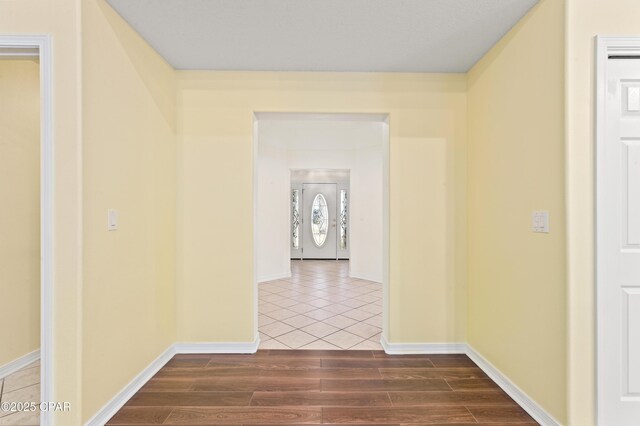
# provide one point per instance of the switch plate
(112, 220)
(633, 99)
(540, 221)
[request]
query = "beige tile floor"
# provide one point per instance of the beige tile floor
(320, 307)
(21, 386)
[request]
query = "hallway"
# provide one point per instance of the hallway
(320, 307)
(321, 387)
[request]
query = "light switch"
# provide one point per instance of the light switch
(112, 220)
(633, 99)
(540, 221)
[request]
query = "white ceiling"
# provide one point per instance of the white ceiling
(323, 35)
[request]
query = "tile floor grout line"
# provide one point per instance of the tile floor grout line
(314, 285)
(21, 388)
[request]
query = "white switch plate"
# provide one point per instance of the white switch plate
(112, 220)
(540, 221)
(633, 99)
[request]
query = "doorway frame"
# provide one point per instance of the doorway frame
(383, 118)
(605, 46)
(43, 43)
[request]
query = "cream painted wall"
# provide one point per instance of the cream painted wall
(128, 316)
(19, 223)
(273, 209)
(215, 232)
(585, 20)
(366, 221)
(517, 279)
(60, 19)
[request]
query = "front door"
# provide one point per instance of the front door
(319, 221)
(618, 242)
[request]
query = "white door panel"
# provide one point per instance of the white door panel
(319, 248)
(631, 153)
(631, 310)
(618, 247)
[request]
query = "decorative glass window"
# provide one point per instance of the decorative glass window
(319, 220)
(343, 219)
(295, 219)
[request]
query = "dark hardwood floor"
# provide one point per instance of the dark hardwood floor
(278, 387)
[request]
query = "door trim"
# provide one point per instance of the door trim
(605, 48)
(43, 44)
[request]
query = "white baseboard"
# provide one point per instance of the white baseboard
(422, 348)
(217, 348)
(517, 394)
(365, 277)
(273, 277)
(112, 407)
(118, 401)
(18, 364)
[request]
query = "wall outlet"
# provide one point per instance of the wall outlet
(540, 221)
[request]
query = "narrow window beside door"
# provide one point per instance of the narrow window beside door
(295, 219)
(343, 219)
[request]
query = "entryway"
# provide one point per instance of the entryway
(319, 236)
(321, 214)
(320, 307)
(321, 219)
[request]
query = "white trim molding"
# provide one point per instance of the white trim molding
(359, 276)
(517, 394)
(274, 277)
(422, 348)
(19, 363)
(121, 398)
(217, 348)
(43, 44)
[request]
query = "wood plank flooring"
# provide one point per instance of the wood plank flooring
(289, 387)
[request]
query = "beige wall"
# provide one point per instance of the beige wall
(517, 279)
(129, 165)
(59, 18)
(585, 20)
(20, 219)
(215, 118)
(215, 194)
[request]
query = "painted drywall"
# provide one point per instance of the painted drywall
(128, 316)
(327, 144)
(273, 210)
(585, 20)
(366, 219)
(517, 278)
(427, 114)
(60, 19)
(19, 223)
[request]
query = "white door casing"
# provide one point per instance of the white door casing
(618, 232)
(43, 44)
(328, 250)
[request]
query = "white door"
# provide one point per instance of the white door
(319, 221)
(618, 244)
